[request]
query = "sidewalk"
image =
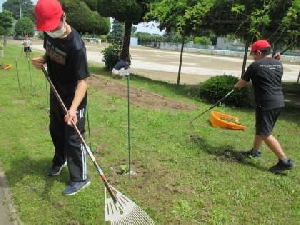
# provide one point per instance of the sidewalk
(8, 215)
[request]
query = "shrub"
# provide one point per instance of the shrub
(215, 88)
(111, 55)
(202, 41)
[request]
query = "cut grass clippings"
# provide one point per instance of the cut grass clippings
(185, 175)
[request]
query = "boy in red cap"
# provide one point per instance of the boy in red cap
(266, 74)
(67, 68)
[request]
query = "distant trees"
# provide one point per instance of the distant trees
(6, 23)
(180, 16)
(278, 21)
(127, 11)
(117, 31)
(79, 15)
(20, 8)
(24, 26)
(84, 19)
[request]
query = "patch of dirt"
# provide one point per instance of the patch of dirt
(138, 97)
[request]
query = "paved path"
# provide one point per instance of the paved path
(163, 65)
(7, 211)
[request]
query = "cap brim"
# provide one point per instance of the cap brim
(47, 25)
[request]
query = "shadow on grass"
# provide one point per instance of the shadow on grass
(36, 171)
(226, 153)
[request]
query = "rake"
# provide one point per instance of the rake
(119, 209)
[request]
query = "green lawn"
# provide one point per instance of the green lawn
(185, 175)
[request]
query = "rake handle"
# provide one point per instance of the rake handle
(103, 177)
(219, 101)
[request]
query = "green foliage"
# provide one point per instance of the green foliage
(144, 37)
(6, 21)
(183, 17)
(41, 35)
(24, 26)
(23, 8)
(111, 55)
(128, 11)
(277, 21)
(83, 19)
(202, 41)
(123, 11)
(117, 31)
(217, 87)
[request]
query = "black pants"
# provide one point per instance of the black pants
(67, 143)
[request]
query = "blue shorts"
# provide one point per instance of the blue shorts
(265, 120)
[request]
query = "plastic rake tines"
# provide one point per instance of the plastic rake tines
(124, 211)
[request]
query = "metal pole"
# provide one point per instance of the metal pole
(18, 75)
(128, 122)
(30, 76)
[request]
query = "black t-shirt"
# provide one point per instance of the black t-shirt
(266, 75)
(66, 65)
(121, 64)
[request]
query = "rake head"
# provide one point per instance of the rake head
(124, 211)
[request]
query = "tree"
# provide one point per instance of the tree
(180, 16)
(277, 21)
(117, 31)
(24, 26)
(6, 23)
(20, 8)
(127, 11)
(83, 19)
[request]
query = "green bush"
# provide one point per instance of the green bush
(215, 88)
(111, 55)
(202, 41)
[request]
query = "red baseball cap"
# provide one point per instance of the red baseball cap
(259, 45)
(48, 14)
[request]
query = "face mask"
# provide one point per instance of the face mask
(58, 33)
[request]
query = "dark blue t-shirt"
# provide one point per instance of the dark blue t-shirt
(121, 64)
(66, 65)
(266, 75)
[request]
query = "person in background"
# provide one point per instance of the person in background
(121, 64)
(266, 74)
(67, 67)
(27, 45)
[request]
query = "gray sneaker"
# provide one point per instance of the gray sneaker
(75, 187)
(252, 153)
(55, 170)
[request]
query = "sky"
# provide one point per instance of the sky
(141, 27)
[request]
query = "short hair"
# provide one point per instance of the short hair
(266, 51)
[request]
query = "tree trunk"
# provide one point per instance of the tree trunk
(4, 40)
(245, 55)
(180, 60)
(126, 42)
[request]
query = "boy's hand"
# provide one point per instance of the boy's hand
(277, 56)
(38, 62)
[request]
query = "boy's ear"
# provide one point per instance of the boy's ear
(259, 52)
